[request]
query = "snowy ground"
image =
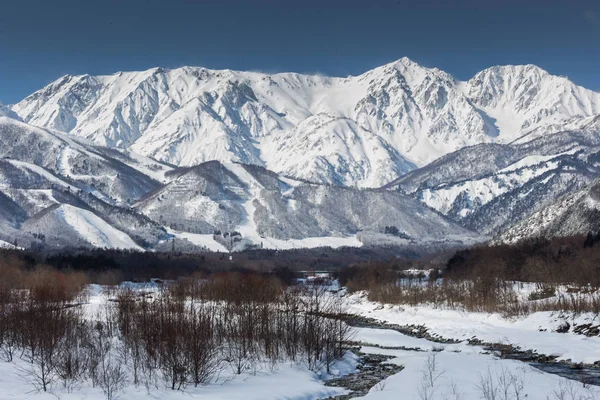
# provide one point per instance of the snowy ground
(284, 381)
(311, 242)
(462, 369)
(6, 245)
(459, 370)
(533, 332)
(270, 243)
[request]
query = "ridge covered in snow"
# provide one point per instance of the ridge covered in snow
(355, 131)
(576, 213)
(58, 190)
(490, 186)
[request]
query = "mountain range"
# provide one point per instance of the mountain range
(136, 159)
(357, 131)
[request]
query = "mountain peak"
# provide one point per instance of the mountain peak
(405, 61)
(383, 122)
(514, 70)
(401, 64)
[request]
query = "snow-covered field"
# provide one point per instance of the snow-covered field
(270, 243)
(462, 372)
(286, 380)
(311, 242)
(536, 331)
(431, 370)
(463, 369)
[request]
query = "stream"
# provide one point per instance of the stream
(374, 369)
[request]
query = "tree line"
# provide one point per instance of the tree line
(487, 278)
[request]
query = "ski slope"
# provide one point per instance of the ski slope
(95, 230)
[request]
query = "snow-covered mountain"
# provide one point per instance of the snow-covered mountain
(48, 181)
(525, 101)
(262, 205)
(41, 209)
(113, 175)
(57, 190)
(574, 214)
(134, 158)
(365, 130)
(5, 111)
(489, 187)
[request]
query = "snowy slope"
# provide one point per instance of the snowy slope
(489, 187)
(574, 214)
(11, 213)
(117, 179)
(5, 111)
(83, 226)
(278, 212)
(325, 148)
(94, 230)
(356, 131)
(526, 100)
(5, 245)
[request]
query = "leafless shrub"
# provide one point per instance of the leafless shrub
(181, 334)
(567, 390)
(430, 374)
(453, 393)
(488, 387)
(503, 385)
(381, 385)
(112, 377)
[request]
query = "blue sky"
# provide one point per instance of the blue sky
(41, 40)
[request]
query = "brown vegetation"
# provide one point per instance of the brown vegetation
(184, 334)
(487, 278)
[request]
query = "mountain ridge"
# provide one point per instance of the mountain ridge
(58, 193)
(399, 116)
(575, 213)
(188, 152)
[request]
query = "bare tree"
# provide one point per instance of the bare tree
(112, 377)
(110, 374)
(488, 387)
(430, 374)
(454, 392)
(199, 347)
(568, 390)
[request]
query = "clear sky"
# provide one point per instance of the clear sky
(44, 39)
